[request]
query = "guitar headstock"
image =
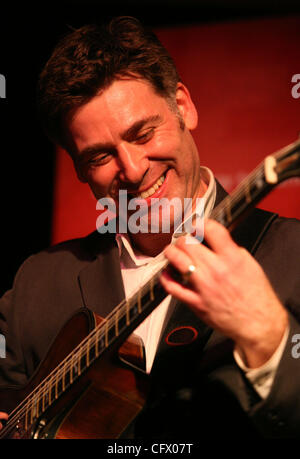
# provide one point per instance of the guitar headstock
(284, 164)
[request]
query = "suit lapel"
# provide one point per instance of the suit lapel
(182, 331)
(102, 286)
(101, 281)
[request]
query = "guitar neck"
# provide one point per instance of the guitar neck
(232, 209)
(122, 321)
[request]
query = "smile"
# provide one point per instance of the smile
(147, 193)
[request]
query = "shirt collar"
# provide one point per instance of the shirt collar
(131, 258)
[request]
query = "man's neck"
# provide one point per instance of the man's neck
(152, 244)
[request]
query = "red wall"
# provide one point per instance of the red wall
(239, 75)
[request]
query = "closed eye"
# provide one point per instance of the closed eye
(97, 159)
(100, 160)
(146, 136)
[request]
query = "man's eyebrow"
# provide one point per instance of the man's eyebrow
(127, 134)
(94, 150)
(138, 125)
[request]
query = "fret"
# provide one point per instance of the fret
(260, 181)
(49, 391)
(117, 322)
(37, 406)
(26, 418)
(56, 385)
(64, 377)
(247, 191)
(228, 210)
(151, 289)
(106, 333)
(71, 370)
(127, 312)
(88, 354)
(31, 413)
(43, 398)
(97, 341)
(79, 362)
(139, 301)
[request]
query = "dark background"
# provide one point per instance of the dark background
(28, 32)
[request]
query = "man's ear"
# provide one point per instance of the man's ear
(186, 107)
(69, 149)
(78, 171)
(79, 174)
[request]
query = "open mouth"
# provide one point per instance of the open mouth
(152, 190)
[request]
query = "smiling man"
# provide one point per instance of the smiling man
(128, 138)
(219, 351)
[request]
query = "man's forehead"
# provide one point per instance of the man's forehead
(123, 104)
(126, 98)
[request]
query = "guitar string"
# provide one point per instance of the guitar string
(67, 364)
(35, 397)
(216, 214)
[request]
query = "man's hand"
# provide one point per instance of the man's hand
(229, 291)
(3, 416)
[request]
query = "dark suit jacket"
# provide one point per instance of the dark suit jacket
(197, 389)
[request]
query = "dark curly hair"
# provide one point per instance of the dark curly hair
(89, 59)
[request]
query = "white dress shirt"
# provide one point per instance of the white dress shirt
(137, 269)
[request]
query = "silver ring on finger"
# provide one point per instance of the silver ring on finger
(186, 276)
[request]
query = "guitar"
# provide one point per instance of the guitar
(85, 387)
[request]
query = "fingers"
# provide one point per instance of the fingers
(210, 262)
(180, 258)
(180, 292)
(218, 237)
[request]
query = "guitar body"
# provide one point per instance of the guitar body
(83, 389)
(100, 404)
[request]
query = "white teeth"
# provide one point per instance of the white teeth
(152, 189)
(144, 195)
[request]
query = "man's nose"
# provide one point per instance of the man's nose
(133, 162)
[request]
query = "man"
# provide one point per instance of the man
(112, 98)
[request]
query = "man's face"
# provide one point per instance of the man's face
(128, 138)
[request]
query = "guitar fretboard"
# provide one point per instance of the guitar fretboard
(121, 322)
